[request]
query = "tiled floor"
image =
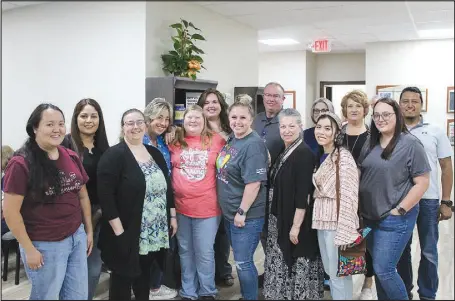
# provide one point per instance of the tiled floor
(446, 271)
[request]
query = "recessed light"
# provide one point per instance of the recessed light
(436, 33)
(276, 42)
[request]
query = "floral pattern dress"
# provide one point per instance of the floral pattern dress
(307, 276)
(154, 226)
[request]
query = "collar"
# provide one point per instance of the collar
(273, 120)
(420, 124)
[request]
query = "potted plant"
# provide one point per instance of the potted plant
(185, 59)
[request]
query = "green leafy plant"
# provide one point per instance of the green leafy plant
(185, 59)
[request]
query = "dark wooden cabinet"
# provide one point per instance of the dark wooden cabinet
(256, 94)
(176, 90)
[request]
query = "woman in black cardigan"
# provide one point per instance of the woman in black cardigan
(137, 201)
(293, 265)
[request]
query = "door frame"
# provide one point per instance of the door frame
(337, 83)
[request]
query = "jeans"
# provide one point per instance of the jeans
(196, 237)
(340, 287)
(222, 248)
(121, 285)
(386, 242)
(427, 227)
(94, 264)
(244, 242)
(64, 273)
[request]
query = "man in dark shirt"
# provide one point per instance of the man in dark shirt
(267, 126)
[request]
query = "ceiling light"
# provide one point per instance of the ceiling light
(436, 33)
(276, 42)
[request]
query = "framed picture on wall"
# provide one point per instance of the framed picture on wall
(394, 91)
(450, 130)
(450, 100)
(289, 100)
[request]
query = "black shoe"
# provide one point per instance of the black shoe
(206, 298)
(185, 298)
(261, 281)
(226, 281)
(410, 296)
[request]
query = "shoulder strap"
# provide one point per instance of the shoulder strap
(337, 183)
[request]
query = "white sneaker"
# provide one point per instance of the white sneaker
(366, 294)
(164, 293)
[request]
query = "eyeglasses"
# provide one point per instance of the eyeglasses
(272, 95)
(385, 116)
(317, 111)
(132, 123)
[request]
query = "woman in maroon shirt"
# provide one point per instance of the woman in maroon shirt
(44, 205)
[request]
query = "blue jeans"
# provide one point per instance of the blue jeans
(428, 229)
(244, 242)
(386, 243)
(94, 264)
(64, 273)
(196, 237)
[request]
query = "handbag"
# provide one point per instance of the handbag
(351, 261)
(172, 274)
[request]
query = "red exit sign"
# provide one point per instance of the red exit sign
(322, 45)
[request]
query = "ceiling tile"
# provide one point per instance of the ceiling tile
(434, 25)
(425, 6)
(431, 16)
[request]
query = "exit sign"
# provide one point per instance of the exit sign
(322, 45)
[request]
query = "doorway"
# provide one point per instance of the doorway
(335, 90)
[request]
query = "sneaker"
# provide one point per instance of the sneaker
(261, 281)
(207, 298)
(163, 293)
(366, 294)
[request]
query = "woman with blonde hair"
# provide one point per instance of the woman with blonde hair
(158, 117)
(193, 157)
(241, 177)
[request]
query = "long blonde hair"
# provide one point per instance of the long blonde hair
(206, 136)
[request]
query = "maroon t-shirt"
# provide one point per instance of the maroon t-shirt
(51, 221)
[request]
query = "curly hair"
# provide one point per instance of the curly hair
(357, 96)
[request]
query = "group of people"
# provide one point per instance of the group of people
(228, 178)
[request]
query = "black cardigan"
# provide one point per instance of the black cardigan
(121, 191)
(291, 189)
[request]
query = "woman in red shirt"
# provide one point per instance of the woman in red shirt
(193, 156)
(45, 203)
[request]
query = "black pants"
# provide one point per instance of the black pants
(222, 250)
(121, 285)
(369, 263)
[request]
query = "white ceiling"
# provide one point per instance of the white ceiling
(348, 25)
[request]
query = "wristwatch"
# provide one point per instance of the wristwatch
(240, 211)
(401, 211)
(448, 203)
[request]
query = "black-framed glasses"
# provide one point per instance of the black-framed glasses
(385, 116)
(317, 111)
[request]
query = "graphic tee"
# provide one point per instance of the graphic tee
(194, 176)
(59, 219)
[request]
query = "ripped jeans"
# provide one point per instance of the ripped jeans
(244, 242)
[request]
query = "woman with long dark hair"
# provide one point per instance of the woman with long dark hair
(46, 201)
(88, 138)
(336, 224)
(394, 176)
(215, 110)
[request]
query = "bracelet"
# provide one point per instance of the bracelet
(173, 216)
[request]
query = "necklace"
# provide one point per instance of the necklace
(347, 142)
